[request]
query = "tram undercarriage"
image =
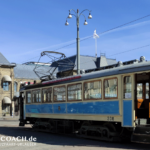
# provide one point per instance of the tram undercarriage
(106, 131)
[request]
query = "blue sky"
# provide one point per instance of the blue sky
(28, 27)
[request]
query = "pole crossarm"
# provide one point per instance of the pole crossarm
(84, 10)
(74, 15)
(83, 15)
(73, 10)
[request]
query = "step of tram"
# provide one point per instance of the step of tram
(140, 138)
(141, 134)
(142, 130)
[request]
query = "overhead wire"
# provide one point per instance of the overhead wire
(130, 50)
(99, 33)
(122, 52)
(30, 59)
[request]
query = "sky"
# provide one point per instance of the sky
(28, 27)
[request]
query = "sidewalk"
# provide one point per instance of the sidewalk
(15, 118)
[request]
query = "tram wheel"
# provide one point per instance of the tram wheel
(105, 133)
(83, 129)
(110, 126)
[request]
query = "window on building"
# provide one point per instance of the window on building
(60, 93)
(92, 90)
(36, 96)
(6, 108)
(127, 87)
(110, 88)
(75, 92)
(6, 86)
(28, 97)
(15, 86)
(46, 93)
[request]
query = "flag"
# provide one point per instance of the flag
(95, 36)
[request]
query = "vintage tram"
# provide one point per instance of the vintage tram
(111, 103)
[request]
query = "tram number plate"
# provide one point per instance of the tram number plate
(110, 118)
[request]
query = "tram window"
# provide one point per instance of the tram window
(75, 92)
(60, 93)
(110, 88)
(140, 91)
(47, 95)
(127, 87)
(36, 96)
(28, 97)
(92, 90)
(147, 90)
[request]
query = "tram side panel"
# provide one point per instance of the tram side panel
(96, 110)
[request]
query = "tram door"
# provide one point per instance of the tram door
(142, 98)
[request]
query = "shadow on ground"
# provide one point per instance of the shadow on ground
(63, 140)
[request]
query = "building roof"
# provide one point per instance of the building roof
(45, 71)
(86, 62)
(111, 61)
(3, 60)
(25, 72)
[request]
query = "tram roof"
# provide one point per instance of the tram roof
(123, 69)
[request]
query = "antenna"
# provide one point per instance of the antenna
(95, 36)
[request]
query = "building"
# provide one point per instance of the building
(6, 79)
(12, 77)
(23, 75)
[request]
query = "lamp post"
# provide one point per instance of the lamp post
(77, 15)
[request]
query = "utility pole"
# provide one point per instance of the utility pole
(77, 15)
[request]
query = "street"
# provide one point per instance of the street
(47, 141)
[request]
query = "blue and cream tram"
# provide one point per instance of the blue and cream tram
(109, 104)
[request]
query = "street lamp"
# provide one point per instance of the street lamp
(66, 23)
(77, 15)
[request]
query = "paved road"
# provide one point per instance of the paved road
(47, 141)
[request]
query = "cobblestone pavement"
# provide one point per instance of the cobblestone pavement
(46, 141)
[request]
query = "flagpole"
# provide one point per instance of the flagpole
(95, 36)
(96, 47)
